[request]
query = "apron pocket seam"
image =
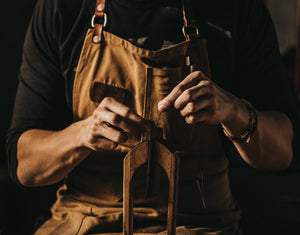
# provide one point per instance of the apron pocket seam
(81, 223)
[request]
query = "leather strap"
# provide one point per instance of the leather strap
(98, 25)
(190, 28)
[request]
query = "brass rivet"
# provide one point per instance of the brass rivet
(100, 7)
(96, 39)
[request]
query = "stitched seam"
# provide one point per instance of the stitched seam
(80, 226)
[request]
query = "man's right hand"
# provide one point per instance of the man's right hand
(46, 157)
(111, 124)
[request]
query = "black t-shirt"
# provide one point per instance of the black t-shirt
(242, 47)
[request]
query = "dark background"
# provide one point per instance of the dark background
(19, 209)
(270, 202)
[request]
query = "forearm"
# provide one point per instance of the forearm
(270, 147)
(46, 157)
(199, 100)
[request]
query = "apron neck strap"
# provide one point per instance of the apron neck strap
(190, 28)
(99, 21)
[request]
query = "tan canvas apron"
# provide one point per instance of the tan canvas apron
(91, 200)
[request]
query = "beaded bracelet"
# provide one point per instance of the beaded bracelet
(245, 136)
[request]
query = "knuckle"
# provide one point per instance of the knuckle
(191, 107)
(190, 119)
(94, 127)
(179, 89)
(90, 139)
(198, 74)
(96, 114)
(176, 105)
(183, 113)
(115, 119)
(167, 101)
(188, 94)
(209, 87)
(106, 101)
(205, 82)
(119, 137)
(109, 145)
(112, 145)
(214, 109)
(126, 112)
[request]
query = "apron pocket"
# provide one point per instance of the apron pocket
(99, 91)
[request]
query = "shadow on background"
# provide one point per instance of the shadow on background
(19, 208)
(270, 202)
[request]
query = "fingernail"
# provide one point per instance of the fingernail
(162, 108)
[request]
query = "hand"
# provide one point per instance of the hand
(111, 124)
(199, 100)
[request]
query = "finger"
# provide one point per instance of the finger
(193, 107)
(110, 133)
(188, 82)
(117, 122)
(202, 116)
(125, 112)
(203, 88)
(103, 144)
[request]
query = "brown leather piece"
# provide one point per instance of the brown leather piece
(189, 19)
(98, 12)
(99, 91)
(97, 34)
(188, 16)
(98, 28)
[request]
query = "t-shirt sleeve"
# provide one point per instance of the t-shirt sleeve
(40, 101)
(260, 74)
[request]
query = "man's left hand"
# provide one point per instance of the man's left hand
(200, 100)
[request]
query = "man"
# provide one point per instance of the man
(142, 65)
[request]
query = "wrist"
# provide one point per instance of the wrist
(80, 130)
(244, 125)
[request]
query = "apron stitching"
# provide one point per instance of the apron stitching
(76, 85)
(146, 107)
(201, 188)
(148, 92)
(92, 214)
(81, 223)
(115, 40)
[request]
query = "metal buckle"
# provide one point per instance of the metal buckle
(104, 22)
(194, 27)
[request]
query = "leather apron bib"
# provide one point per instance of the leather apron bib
(91, 199)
